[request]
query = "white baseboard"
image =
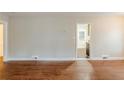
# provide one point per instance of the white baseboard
(99, 58)
(63, 59)
(40, 59)
(110, 58)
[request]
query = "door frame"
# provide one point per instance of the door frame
(5, 39)
(89, 28)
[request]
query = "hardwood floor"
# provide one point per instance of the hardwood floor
(108, 70)
(64, 70)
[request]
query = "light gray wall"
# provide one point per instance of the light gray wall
(54, 36)
(47, 37)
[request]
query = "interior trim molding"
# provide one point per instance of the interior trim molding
(62, 59)
(40, 59)
(109, 58)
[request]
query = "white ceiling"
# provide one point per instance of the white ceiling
(64, 13)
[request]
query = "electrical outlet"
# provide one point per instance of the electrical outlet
(105, 56)
(35, 57)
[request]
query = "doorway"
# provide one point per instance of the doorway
(83, 41)
(1, 42)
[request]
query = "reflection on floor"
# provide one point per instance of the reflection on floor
(64, 70)
(108, 70)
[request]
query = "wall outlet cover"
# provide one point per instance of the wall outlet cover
(105, 56)
(35, 57)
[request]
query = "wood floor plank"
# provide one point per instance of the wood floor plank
(108, 70)
(62, 70)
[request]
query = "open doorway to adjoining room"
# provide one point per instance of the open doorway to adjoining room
(1, 41)
(83, 41)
